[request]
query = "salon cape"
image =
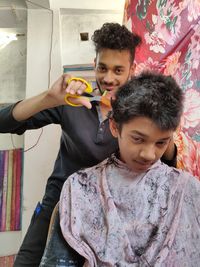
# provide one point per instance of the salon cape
(115, 217)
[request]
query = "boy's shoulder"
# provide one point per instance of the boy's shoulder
(179, 176)
(90, 174)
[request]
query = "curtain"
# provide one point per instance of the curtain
(170, 31)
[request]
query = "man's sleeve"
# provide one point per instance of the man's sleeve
(9, 125)
(173, 161)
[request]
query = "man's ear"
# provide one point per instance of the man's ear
(132, 70)
(113, 128)
(95, 62)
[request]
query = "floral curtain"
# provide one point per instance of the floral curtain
(170, 31)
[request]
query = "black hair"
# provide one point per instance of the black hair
(117, 37)
(150, 95)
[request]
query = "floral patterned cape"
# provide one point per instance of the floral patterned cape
(170, 31)
(115, 217)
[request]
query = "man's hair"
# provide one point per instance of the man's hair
(117, 37)
(150, 95)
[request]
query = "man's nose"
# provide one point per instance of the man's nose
(109, 77)
(148, 153)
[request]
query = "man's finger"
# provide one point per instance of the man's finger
(83, 101)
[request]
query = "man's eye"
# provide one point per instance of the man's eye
(101, 69)
(119, 71)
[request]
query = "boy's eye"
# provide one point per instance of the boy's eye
(137, 140)
(161, 143)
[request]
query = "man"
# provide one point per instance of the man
(132, 209)
(86, 139)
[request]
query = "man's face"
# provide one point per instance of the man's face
(141, 143)
(112, 69)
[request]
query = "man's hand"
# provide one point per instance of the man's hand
(61, 87)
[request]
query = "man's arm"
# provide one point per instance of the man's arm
(29, 107)
(42, 109)
(49, 99)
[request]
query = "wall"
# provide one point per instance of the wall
(13, 72)
(75, 51)
(13, 87)
(38, 162)
(88, 4)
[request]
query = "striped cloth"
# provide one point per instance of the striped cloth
(10, 189)
(7, 261)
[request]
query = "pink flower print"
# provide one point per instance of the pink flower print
(194, 47)
(168, 21)
(156, 41)
(149, 64)
(188, 157)
(193, 7)
(172, 64)
(191, 113)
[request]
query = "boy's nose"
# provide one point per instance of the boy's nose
(148, 153)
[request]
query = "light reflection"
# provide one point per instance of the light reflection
(6, 38)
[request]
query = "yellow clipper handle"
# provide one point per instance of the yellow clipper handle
(88, 86)
(67, 96)
(87, 90)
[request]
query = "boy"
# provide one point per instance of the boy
(132, 209)
(86, 139)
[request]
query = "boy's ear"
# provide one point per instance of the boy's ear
(113, 128)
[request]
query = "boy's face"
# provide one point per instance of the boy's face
(112, 69)
(141, 142)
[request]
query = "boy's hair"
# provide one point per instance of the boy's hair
(116, 36)
(150, 95)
